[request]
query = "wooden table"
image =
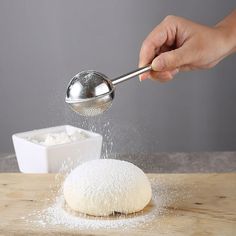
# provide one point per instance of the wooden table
(209, 207)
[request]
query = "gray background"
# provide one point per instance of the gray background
(44, 43)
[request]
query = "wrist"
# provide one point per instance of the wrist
(227, 29)
(228, 36)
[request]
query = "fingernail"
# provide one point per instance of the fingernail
(174, 72)
(158, 65)
(142, 78)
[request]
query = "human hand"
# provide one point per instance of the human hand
(178, 44)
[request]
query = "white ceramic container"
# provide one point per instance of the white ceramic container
(33, 157)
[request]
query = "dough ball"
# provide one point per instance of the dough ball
(104, 186)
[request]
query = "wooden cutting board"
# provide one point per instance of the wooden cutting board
(207, 206)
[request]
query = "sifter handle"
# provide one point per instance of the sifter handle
(130, 75)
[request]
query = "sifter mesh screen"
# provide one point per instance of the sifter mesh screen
(93, 110)
(90, 93)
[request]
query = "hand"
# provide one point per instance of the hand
(178, 44)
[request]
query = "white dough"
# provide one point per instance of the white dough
(104, 186)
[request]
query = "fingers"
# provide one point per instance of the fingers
(144, 76)
(151, 48)
(147, 53)
(157, 50)
(151, 45)
(162, 76)
(170, 60)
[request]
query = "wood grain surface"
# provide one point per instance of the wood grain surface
(205, 205)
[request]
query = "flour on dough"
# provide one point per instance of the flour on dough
(104, 186)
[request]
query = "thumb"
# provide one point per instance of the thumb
(170, 60)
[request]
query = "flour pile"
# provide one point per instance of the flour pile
(58, 214)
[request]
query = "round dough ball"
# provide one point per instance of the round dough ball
(104, 186)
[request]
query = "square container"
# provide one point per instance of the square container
(33, 157)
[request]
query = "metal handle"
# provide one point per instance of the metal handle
(131, 74)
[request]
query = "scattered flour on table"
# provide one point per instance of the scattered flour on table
(58, 214)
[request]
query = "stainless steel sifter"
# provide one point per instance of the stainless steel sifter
(90, 93)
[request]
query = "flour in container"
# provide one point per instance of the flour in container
(51, 139)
